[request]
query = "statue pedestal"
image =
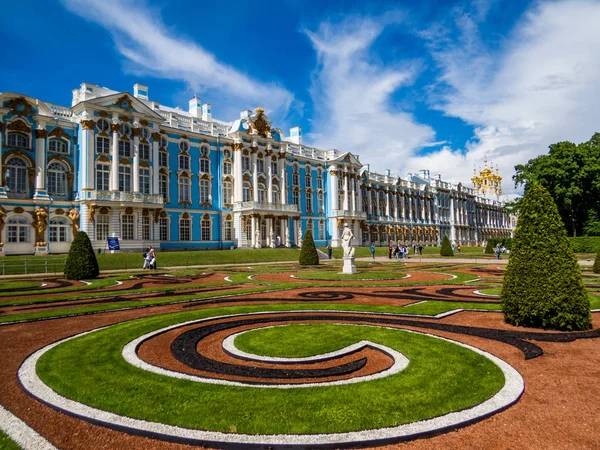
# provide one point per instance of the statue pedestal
(41, 251)
(2, 251)
(349, 266)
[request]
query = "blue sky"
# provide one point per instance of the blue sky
(406, 85)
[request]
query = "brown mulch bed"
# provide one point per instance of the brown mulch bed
(559, 409)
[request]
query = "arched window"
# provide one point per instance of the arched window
(185, 228)
(184, 162)
(102, 125)
(262, 197)
(273, 167)
(260, 165)
(18, 229)
(60, 230)
(245, 162)
(163, 142)
(308, 180)
(16, 139)
(204, 165)
(102, 227)
(204, 191)
(124, 149)
(146, 228)
(57, 180)
(321, 231)
(205, 228)
(227, 192)
(102, 176)
(247, 192)
(144, 150)
(228, 229)
(164, 228)
(185, 190)
(275, 196)
(295, 179)
(226, 168)
(309, 202)
(125, 129)
(163, 158)
(320, 203)
(296, 197)
(102, 145)
(16, 178)
(144, 180)
(127, 227)
(124, 178)
(184, 146)
(58, 146)
(163, 186)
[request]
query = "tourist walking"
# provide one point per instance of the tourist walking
(147, 259)
(372, 251)
(390, 250)
(498, 250)
(152, 256)
(329, 251)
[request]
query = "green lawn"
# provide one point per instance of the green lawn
(441, 377)
(7, 443)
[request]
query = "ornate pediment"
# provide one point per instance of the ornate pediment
(20, 106)
(259, 124)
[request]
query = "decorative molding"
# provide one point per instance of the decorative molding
(129, 210)
(144, 123)
(19, 125)
(115, 127)
(124, 161)
(103, 158)
(59, 212)
(74, 216)
(136, 132)
(58, 132)
(156, 136)
(88, 124)
(20, 107)
(103, 114)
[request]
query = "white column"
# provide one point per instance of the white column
(114, 166)
(387, 204)
(285, 223)
(139, 233)
(409, 205)
(40, 161)
(155, 166)
(254, 175)
(359, 205)
(270, 175)
(253, 232)
(333, 188)
(452, 220)
(345, 190)
(136, 160)
(370, 201)
(238, 182)
(283, 177)
(395, 200)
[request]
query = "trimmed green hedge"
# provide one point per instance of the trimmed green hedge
(308, 253)
(542, 286)
(81, 263)
(446, 249)
(597, 262)
(585, 244)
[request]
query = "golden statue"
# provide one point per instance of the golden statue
(40, 223)
(92, 213)
(74, 216)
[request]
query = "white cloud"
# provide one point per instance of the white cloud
(351, 96)
(541, 87)
(144, 40)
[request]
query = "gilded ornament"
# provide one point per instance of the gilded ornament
(92, 213)
(102, 158)
(58, 132)
(88, 124)
(104, 210)
(74, 216)
(156, 136)
(136, 132)
(115, 127)
(19, 125)
(59, 212)
(20, 106)
(144, 123)
(40, 223)
(129, 210)
(103, 114)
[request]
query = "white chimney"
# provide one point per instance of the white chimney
(245, 113)
(195, 109)
(296, 135)
(206, 112)
(140, 91)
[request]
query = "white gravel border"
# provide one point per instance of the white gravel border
(487, 295)
(21, 433)
(130, 355)
(509, 394)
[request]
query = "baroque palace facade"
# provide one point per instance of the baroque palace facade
(120, 165)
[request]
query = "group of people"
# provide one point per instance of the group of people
(402, 251)
(149, 259)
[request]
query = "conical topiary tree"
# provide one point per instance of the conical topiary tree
(489, 248)
(542, 285)
(446, 249)
(81, 263)
(308, 253)
(596, 267)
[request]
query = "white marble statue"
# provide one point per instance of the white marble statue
(347, 237)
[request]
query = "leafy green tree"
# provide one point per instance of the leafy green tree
(596, 268)
(542, 285)
(446, 249)
(81, 262)
(571, 173)
(308, 253)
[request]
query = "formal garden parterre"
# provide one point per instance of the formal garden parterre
(235, 357)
